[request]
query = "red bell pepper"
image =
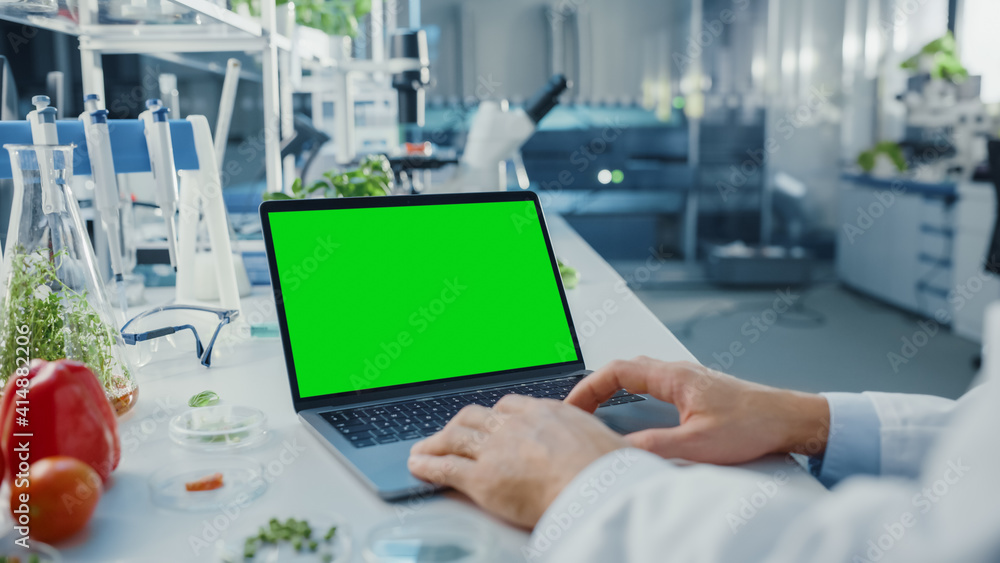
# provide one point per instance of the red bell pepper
(66, 413)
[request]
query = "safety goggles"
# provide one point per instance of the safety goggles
(169, 328)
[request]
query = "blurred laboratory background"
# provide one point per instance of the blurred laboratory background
(799, 189)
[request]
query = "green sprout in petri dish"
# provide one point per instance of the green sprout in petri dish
(297, 532)
(204, 399)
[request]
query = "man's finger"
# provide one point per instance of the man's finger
(637, 376)
(447, 470)
(510, 404)
(453, 439)
(475, 416)
(665, 442)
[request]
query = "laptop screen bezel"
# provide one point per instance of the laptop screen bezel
(269, 208)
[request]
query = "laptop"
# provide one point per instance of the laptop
(395, 312)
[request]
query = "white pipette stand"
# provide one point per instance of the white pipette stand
(161, 159)
(201, 190)
(102, 166)
(43, 132)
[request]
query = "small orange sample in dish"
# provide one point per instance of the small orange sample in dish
(206, 483)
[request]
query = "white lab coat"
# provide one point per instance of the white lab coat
(936, 501)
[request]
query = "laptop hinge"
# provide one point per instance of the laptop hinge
(417, 393)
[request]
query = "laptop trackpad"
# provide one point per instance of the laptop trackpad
(632, 417)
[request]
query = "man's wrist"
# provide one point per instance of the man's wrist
(807, 422)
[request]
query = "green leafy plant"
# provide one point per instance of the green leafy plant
(372, 178)
(945, 63)
(61, 321)
(570, 276)
(866, 160)
(333, 17)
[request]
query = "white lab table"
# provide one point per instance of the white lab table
(305, 479)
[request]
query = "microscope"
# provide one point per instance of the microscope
(946, 127)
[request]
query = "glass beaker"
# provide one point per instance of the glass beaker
(32, 7)
(54, 302)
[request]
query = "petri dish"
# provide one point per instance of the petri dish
(430, 539)
(336, 549)
(219, 428)
(242, 482)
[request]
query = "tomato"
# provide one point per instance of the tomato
(206, 483)
(69, 416)
(57, 498)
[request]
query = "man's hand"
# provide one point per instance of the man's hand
(513, 459)
(724, 420)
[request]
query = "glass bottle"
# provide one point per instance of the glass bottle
(52, 291)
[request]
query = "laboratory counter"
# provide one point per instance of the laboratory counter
(303, 480)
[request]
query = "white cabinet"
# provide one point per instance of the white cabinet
(920, 247)
(896, 242)
(974, 288)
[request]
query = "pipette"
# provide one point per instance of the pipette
(95, 126)
(161, 158)
(43, 132)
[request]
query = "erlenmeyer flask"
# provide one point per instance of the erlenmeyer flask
(54, 302)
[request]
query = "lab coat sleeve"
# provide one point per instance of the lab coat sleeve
(882, 433)
(633, 506)
(908, 426)
(853, 445)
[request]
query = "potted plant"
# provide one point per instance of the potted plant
(883, 160)
(940, 59)
(373, 177)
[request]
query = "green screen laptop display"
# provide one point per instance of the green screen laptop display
(386, 296)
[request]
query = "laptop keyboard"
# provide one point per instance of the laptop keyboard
(413, 419)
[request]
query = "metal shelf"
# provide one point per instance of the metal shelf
(172, 30)
(117, 16)
(164, 26)
(190, 33)
(214, 63)
(222, 15)
(151, 40)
